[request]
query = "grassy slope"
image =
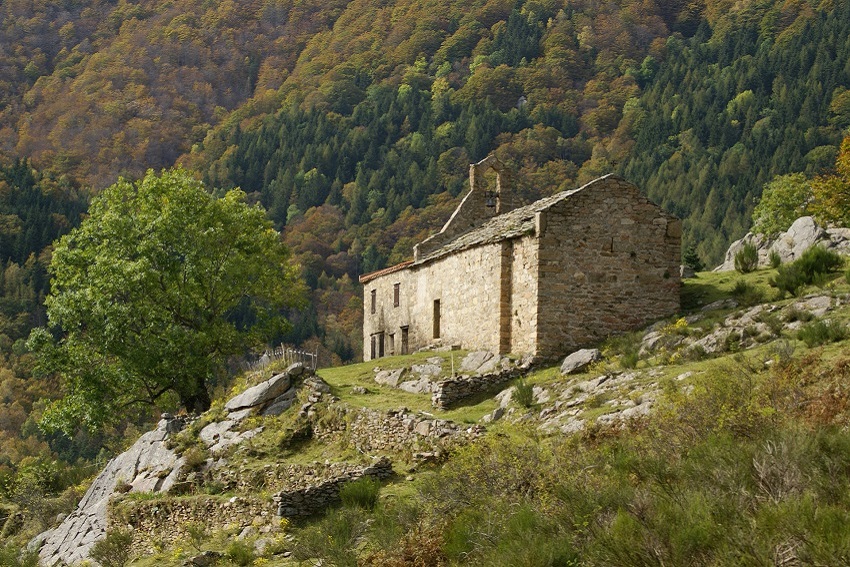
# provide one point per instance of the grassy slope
(470, 508)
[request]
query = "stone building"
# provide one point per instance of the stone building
(541, 279)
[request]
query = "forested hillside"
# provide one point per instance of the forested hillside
(354, 123)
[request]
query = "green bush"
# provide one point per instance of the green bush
(240, 552)
(817, 260)
(333, 539)
(11, 556)
(114, 549)
(789, 279)
(747, 258)
(524, 394)
(819, 333)
(361, 493)
(746, 293)
(775, 259)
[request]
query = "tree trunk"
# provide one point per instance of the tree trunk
(196, 400)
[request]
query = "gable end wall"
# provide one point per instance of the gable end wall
(609, 262)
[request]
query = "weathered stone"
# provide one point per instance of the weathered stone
(261, 393)
(565, 271)
(580, 360)
(473, 361)
(205, 559)
(143, 466)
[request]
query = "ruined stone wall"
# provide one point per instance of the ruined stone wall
(609, 262)
(164, 522)
(312, 499)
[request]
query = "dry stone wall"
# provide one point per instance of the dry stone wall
(454, 390)
(164, 522)
(315, 498)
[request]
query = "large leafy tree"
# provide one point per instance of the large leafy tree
(153, 291)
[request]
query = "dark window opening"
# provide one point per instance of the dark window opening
(404, 340)
(436, 318)
(391, 343)
(374, 349)
(374, 300)
(396, 295)
(380, 345)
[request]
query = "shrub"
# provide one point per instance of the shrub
(747, 294)
(629, 359)
(240, 552)
(361, 493)
(333, 539)
(747, 258)
(788, 279)
(10, 556)
(819, 333)
(817, 260)
(524, 394)
(796, 314)
(775, 259)
(114, 549)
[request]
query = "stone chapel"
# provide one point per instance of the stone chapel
(541, 279)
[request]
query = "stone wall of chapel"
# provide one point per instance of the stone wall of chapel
(467, 284)
(523, 308)
(387, 317)
(609, 262)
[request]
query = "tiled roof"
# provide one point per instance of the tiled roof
(371, 276)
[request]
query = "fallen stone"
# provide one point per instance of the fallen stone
(390, 378)
(580, 360)
(205, 559)
(261, 393)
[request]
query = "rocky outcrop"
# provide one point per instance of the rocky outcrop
(148, 466)
(790, 245)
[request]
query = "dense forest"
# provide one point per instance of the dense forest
(353, 124)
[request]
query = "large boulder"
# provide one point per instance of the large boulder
(789, 245)
(580, 360)
(261, 393)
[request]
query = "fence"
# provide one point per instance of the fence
(283, 353)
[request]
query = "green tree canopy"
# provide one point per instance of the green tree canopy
(145, 296)
(783, 200)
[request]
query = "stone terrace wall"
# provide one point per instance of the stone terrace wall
(453, 390)
(164, 521)
(398, 431)
(279, 477)
(609, 262)
(315, 498)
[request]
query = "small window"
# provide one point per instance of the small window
(436, 318)
(396, 295)
(374, 300)
(380, 345)
(391, 343)
(404, 340)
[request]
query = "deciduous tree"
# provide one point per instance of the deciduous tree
(145, 293)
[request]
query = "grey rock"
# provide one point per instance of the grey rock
(495, 415)
(359, 390)
(144, 466)
(317, 384)
(473, 361)
(421, 386)
(205, 559)
(390, 378)
(580, 360)
(261, 393)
